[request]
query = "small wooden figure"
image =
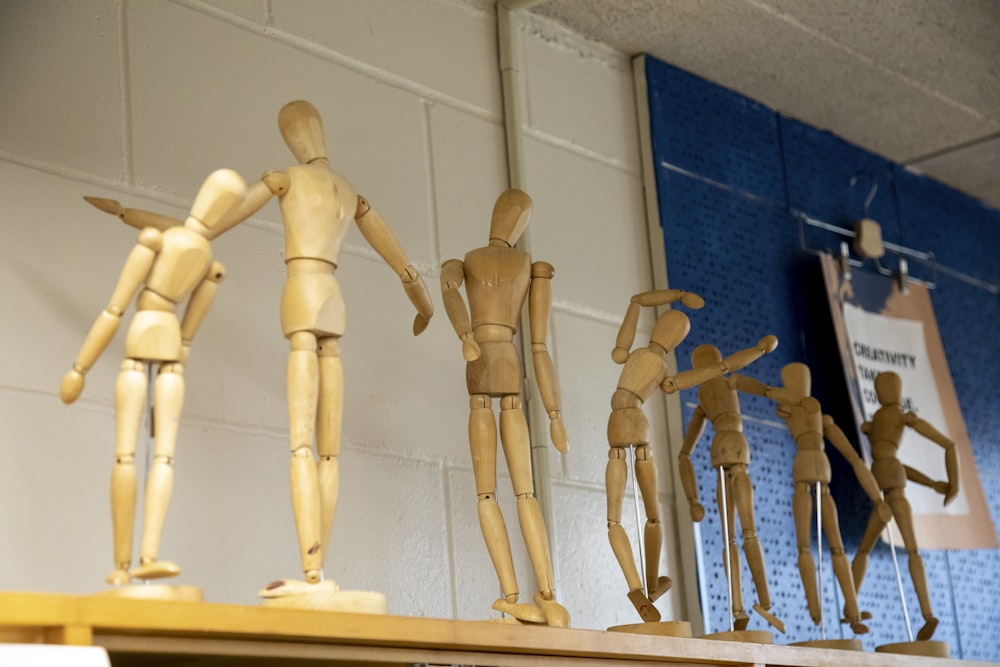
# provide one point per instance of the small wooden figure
(884, 432)
(165, 269)
(498, 278)
(808, 426)
(317, 207)
(645, 371)
(718, 402)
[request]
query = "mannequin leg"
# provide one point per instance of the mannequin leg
(727, 511)
(841, 566)
(168, 397)
(904, 520)
(130, 398)
(645, 477)
(860, 563)
(329, 412)
(802, 507)
(743, 497)
(303, 390)
(517, 448)
(615, 480)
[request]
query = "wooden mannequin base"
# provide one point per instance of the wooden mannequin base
(166, 592)
(324, 596)
(930, 649)
(748, 636)
(660, 629)
(840, 644)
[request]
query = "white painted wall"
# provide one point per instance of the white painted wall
(139, 101)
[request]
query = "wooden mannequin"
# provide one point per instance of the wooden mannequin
(884, 431)
(645, 370)
(317, 207)
(808, 425)
(498, 278)
(165, 268)
(718, 402)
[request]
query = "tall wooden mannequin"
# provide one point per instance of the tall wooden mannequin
(165, 269)
(498, 278)
(811, 468)
(884, 432)
(317, 207)
(718, 402)
(645, 371)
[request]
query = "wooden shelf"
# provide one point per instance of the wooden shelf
(143, 632)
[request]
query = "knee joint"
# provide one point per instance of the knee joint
(126, 459)
(303, 452)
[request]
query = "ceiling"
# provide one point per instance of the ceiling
(916, 81)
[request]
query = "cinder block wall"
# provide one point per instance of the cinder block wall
(139, 101)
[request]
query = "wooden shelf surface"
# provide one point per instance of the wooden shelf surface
(149, 632)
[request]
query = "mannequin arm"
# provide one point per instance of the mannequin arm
(626, 333)
(950, 488)
(381, 238)
(839, 440)
(257, 195)
(132, 277)
(733, 362)
(197, 307)
(539, 305)
(134, 217)
(689, 481)
(662, 297)
(452, 277)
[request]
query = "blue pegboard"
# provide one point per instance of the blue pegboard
(730, 175)
(713, 132)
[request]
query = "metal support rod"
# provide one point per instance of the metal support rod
(819, 555)
(724, 512)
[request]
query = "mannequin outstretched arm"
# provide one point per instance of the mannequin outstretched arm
(382, 240)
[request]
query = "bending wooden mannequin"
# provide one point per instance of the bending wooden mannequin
(808, 425)
(718, 402)
(645, 370)
(165, 268)
(317, 207)
(884, 431)
(498, 278)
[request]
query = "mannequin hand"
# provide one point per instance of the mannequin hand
(692, 301)
(768, 344)
(619, 355)
(557, 431)
(71, 387)
(884, 511)
(185, 351)
(697, 511)
(416, 290)
(470, 348)
(951, 493)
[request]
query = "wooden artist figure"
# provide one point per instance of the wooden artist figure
(808, 426)
(884, 432)
(166, 269)
(645, 370)
(498, 278)
(719, 403)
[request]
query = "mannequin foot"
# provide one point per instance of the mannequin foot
(741, 620)
(770, 618)
(644, 606)
(118, 577)
(556, 615)
(286, 587)
(156, 569)
(663, 585)
(927, 631)
(527, 613)
(857, 626)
